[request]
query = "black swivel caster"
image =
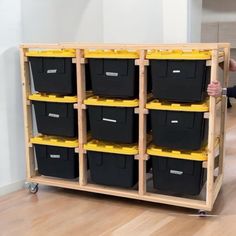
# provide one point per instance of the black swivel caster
(33, 187)
(202, 213)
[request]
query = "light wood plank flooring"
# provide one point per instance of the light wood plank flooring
(55, 211)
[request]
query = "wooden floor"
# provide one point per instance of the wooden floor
(55, 211)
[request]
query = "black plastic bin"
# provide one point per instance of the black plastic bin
(182, 79)
(113, 120)
(114, 169)
(179, 126)
(177, 173)
(56, 161)
(113, 73)
(54, 73)
(55, 115)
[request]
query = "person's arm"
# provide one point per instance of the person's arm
(232, 65)
(215, 89)
(231, 92)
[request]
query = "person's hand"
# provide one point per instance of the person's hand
(214, 89)
(232, 65)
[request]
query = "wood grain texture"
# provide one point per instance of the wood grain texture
(141, 193)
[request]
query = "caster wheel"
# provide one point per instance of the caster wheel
(202, 213)
(33, 188)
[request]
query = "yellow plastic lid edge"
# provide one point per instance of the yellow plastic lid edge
(99, 146)
(52, 53)
(119, 54)
(179, 55)
(52, 98)
(93, 149)
(201, 156)
(54, 141)
(96, 101)
(156, 105)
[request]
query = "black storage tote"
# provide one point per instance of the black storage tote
(113, 120)
(179, 76)
(56, 157)
(112, 164)
(55, 115)
(113, 73)
(53, 71)
(177, 172)
(179, 126)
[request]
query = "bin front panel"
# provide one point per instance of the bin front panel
(113, 169)
(179, 130)
(177, 176)
(114, 124)
(57, 161)
(179, 80)
(58, 119)
(114, 77)
(54, 75)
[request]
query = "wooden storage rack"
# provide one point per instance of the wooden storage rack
(216, 115)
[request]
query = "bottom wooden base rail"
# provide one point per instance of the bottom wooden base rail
(127, 193)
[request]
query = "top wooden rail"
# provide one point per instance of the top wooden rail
(186, 46)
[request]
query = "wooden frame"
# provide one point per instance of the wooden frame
(213, 183)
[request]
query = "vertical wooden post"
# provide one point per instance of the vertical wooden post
(211, 134)
(223, 110)
(142, 122)
(27, 110)
(82, 124)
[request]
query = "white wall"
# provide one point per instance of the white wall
(132, 21)
(12, 167)
(181, 21)
(123, 21)
(175, 24)
(48, 21)
(219, 10)
(195, 18)
(52, 21)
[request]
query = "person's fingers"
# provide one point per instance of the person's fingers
(215, 82)
(212, 92)
(213, 88)
(211, 85)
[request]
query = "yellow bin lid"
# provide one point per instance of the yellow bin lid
(199, 155)
(55, 141)
(99, 101)
(179, 55)
(99, 146)
(196, 107)
(52, 53)
(116, 54)
(52, 98)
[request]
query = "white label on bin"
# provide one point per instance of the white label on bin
(55, 156)
(53, 115)
(113, 74)
(174, 122)
(52, 71)
(176, 71)
(109, 120)
(176, 172)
